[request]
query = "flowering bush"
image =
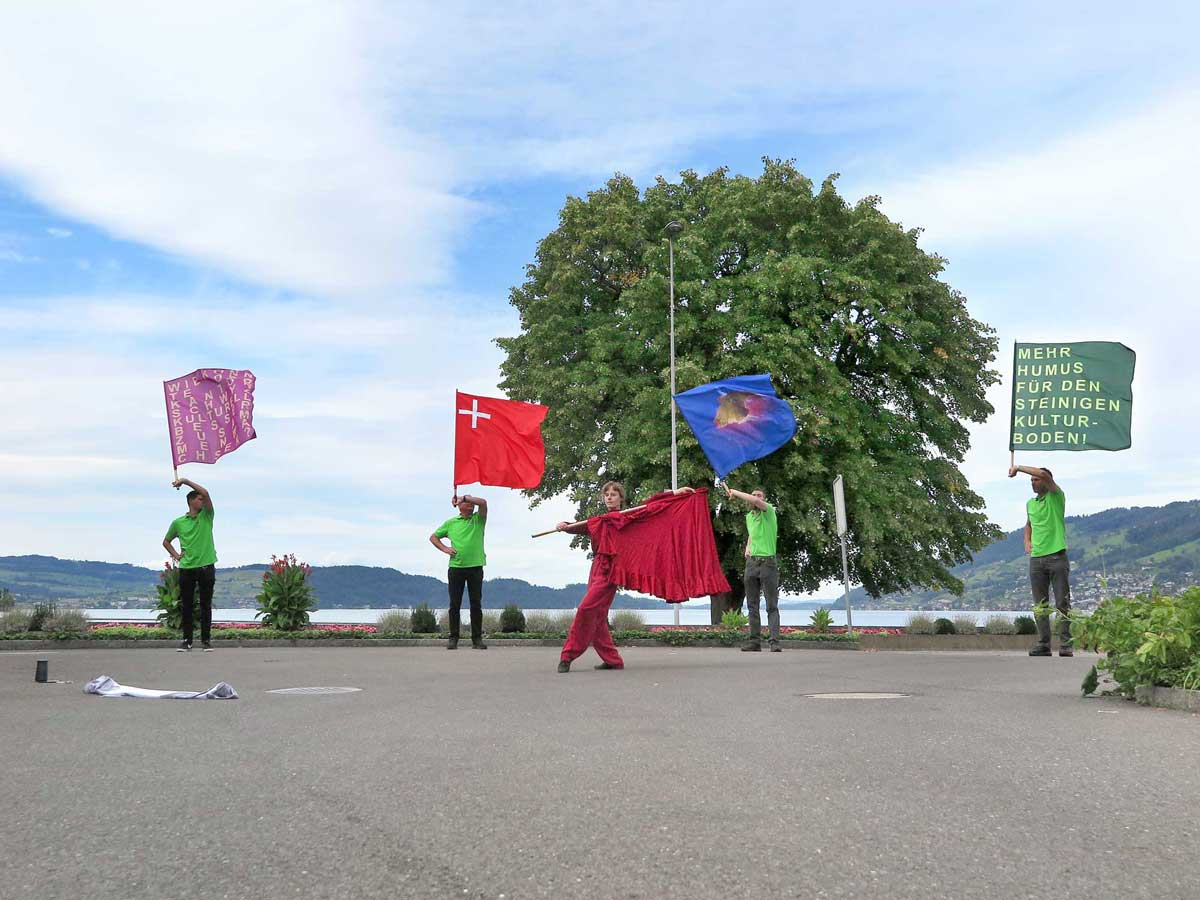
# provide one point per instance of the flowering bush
(286, 594)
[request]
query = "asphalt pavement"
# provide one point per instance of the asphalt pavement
(693, 773)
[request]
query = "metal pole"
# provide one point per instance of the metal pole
(673, 228)
(674, 462)
(846, 578)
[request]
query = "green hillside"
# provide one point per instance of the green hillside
(1118, 551)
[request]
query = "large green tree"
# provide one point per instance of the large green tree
(878, 357)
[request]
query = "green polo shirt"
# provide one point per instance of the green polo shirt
(763, 530)
(466, 537)
(1046, 520)
(195, 538)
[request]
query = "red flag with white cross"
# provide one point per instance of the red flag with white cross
(498, 442)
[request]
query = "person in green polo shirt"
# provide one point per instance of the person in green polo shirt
(762, 567)
(197, 559)
(1046, 544)
(466, 564)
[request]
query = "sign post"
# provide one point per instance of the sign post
(839, 510)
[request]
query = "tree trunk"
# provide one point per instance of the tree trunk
(719, 604)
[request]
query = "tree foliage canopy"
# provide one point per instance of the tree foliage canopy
(878, 357)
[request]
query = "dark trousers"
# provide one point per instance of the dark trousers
(1045, 572)
(206, 578)
(762, 575)
(470, 577)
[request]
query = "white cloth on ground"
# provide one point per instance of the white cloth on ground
(106, 686)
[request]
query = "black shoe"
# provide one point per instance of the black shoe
(752, 648)
(1065, 651)
(183, 647)
(775, 648)
(479, 645)
(206, 646)
(1041, 650)
(452, 644)
(563, 666)
(605, 665)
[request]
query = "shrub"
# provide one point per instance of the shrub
(822, 620)
(286, 595)
(167, 589)
(7, 600)
(423, 620)
(999, 625)
(68, 623)
(489, 623)
(919, 623)
(1149, 639)
(512, 620)
(42, 613)
(966, 624)
(394, 621)
(1025, 625)
(944, 626)
(543, 623)
(15, 621)
(627, 620)
(734, 620)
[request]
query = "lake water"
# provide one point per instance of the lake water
(688, 615)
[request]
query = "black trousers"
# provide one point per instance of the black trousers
(470, 577)
(205, 577)
(1046, 572)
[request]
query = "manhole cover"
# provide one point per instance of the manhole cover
(859, 695)
(315, 690)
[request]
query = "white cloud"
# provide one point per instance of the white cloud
(245, 137)
(59, 232)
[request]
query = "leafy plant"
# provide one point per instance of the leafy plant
(167, 591)
(1042, 609)
(512, 619)
(627, 620)
(734, 620)
(943, 626)
(919, 623)
(7, 600)
(821, 619)
(999, 625)
(966, 624)
(42, 613)
(286, 596)
(394, 621)
(423, 620)
(66, 624)
(1090, 682)
(1153, 640)
(1025, 625)
(544, 623)
(15, 621)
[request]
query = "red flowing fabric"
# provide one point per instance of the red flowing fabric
(666, 548)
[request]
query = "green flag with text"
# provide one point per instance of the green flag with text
(1076, 396)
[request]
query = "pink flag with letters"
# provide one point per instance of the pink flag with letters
(210, 413)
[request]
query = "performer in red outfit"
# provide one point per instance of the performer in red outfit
(590, 627)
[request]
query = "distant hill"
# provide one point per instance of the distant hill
(1133, 548)
(1128, 549)
(44, 578)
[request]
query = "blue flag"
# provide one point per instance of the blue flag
(737, 419)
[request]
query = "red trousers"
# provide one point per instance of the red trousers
(590, 628)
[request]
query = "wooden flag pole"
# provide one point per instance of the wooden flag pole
(581, 521)
(176, 471)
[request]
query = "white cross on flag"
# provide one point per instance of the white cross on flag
(498, 442)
